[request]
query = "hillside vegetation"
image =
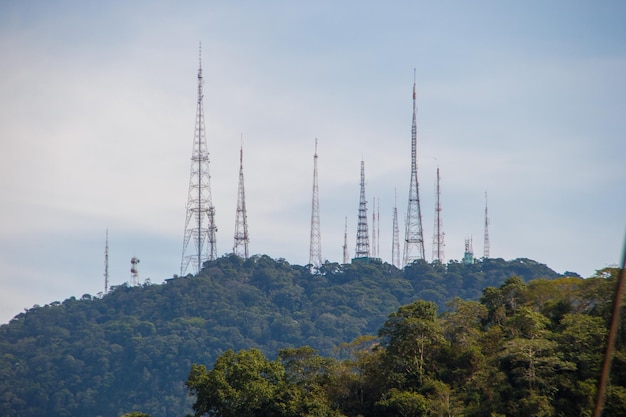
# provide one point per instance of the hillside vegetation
(524, 350)
(133, 348)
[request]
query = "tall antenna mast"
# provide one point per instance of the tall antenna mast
(414, 237)
(106, 263)
(374, 246)
(200, 220)
(345, 243)
(486, 242)
(315, 248)
(395, 244)
(240, 247)
(438, 235)
(362, 237)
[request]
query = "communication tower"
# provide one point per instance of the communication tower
(346, 258)
(486, 239)
(199, 244)
(362, 237)
(240, 246)
(414, 236)
(395, 244)
(438, 235)
(315, 248)
(106, 263)
(134, 271)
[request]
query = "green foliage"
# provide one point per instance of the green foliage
(509, 355)
(248, 384)
(132, 348)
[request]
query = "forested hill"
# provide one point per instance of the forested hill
(133, 348)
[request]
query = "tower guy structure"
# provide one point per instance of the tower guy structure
(199, 244)
(395, 243)
(438, 235)
(315, 247)
(240, 247)
(414, 237)
(362, 236)
(486, 238)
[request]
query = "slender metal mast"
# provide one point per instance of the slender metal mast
(438, 235)
(414, 237)
(374, 245)
(395, 245)
(200, 220)
(486, 238)
(346, 257)
(240, 247)
(106, 263)
(378, 228)
(362, 236)
(315, 247)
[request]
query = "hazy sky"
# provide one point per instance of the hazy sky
(526, 101)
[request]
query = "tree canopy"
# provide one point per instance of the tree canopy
(132, 348)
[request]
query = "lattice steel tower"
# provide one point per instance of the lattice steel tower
(438, 235)
(240, 247)
(199, 244)
(486, 242)
(414, 236)
(315, 247)
(395, 244)
(362, 237)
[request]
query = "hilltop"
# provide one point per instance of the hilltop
(133, 347)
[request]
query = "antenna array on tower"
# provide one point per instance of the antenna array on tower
(414, 237)
(200, 220)
(362, 237)
(134, 271)
(240, 247)
(315, 248)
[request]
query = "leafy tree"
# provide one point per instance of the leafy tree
(403, 403)
(241, 384)
(411, 336)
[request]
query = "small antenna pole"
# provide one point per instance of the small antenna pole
(106, 263)
(486, 238)
(345, 243)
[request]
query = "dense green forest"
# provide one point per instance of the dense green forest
(524, 350)
(133, 348)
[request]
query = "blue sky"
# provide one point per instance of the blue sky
(97, 105)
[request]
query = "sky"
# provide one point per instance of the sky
(523, 100)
